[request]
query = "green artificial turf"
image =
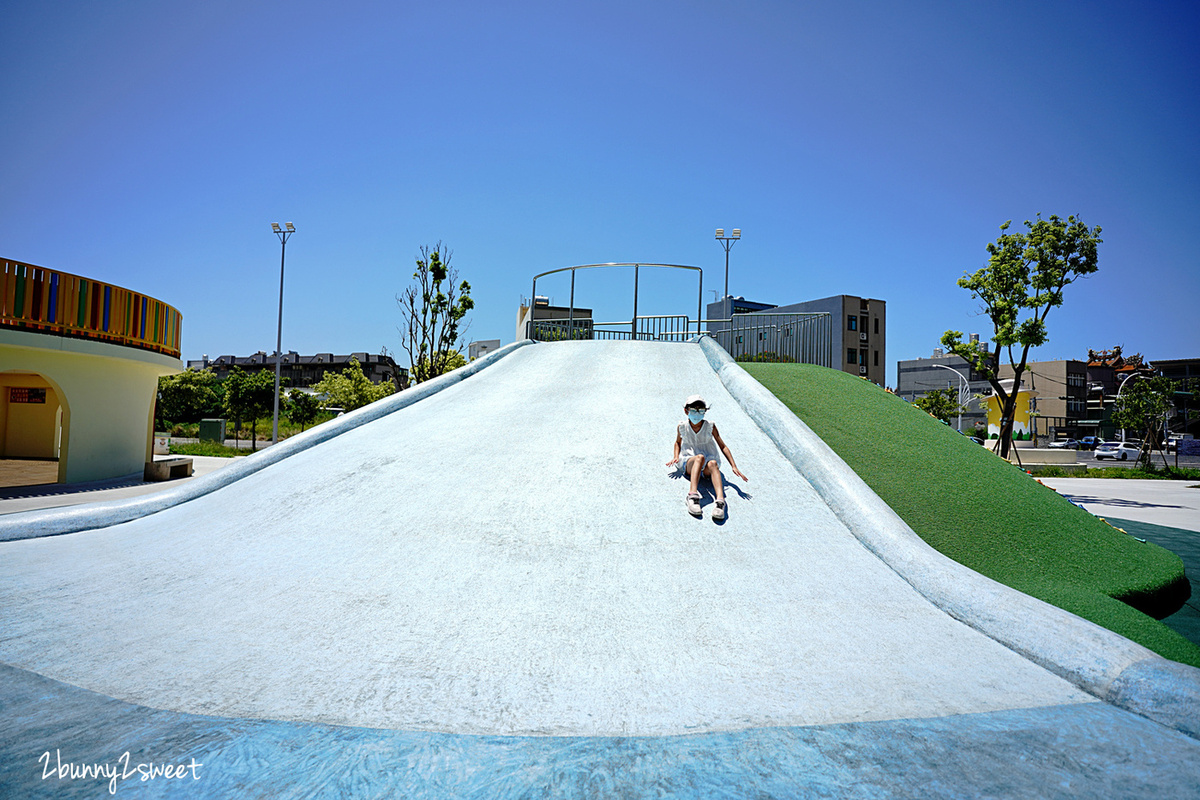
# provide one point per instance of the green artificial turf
(985, 513)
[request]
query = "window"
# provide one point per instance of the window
(851, 356)
(851, 323)
(877, 358)
(877, 326)
(862, 358)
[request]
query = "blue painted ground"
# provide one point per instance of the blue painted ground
(1027, 753)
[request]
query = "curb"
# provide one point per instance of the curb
(72, 519)
(1102, 663)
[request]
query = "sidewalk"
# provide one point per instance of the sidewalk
(1173, 504)
(1166, 513)
(55, 495)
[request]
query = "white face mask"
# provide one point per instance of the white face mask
(695, 416)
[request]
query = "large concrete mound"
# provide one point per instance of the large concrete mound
(508, 556)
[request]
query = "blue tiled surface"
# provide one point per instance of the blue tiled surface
(1082, 750)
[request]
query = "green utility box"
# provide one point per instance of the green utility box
(212, 430)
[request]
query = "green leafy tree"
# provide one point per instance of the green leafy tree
(941, 403)
(188, 396)
(433, 310)
(350, 389)
(1144, 404)
(303, 408)
(454, 360)
(1024, 279)
(248, 396)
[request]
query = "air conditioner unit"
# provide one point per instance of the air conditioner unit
(862, 336)
(862, 370)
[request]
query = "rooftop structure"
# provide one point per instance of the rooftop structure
(79, 366)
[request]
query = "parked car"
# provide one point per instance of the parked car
(1067, 444)
(1174, 439)
(1089, 442)
(1122, 451)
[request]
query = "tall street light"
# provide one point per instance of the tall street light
(727, 242)
(1120, 389)
(964, 393)
(283, 235)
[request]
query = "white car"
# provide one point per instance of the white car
(1118, 450)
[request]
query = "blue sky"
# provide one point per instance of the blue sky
(864, 148)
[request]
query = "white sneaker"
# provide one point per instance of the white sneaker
(719, 510)
(693, 504)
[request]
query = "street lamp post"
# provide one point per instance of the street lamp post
(727, 242)
(1117, 400)
(963, 391)
(283, 235)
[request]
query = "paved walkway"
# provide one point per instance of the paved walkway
(494, 588)
(23, 472)
(1166, 513)
(1175, 504)
(56, 495)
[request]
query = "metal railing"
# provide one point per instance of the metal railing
(805, 338)
(44, 300)
(800, 338)
(637, 266)
(658, 328)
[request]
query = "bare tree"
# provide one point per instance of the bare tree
(433, 309)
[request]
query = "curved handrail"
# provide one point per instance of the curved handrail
(618, 264)
(42, 300)
(636, 266)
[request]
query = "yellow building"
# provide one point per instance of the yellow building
(1026, 406)
(79, 368)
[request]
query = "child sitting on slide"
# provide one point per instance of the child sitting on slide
(698, 448)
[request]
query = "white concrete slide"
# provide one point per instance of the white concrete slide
(509, 556)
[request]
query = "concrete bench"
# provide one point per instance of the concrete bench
(168, 468)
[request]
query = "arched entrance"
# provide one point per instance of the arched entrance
(34, 428)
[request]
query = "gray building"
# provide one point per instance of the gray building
(919, 376)
(859, 334)
(481, 348)
(1062, 397)
(561, 317)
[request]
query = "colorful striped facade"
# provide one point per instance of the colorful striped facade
(34, 298)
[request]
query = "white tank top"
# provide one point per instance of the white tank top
(693, 443)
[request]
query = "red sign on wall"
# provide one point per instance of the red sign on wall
(22, 394)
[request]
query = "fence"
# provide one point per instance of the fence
(652, 328)
(800, 338)
(44, 300)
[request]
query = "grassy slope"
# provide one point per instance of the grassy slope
(983, 512)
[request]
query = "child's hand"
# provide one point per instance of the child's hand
(738, 472)
(672, 462)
